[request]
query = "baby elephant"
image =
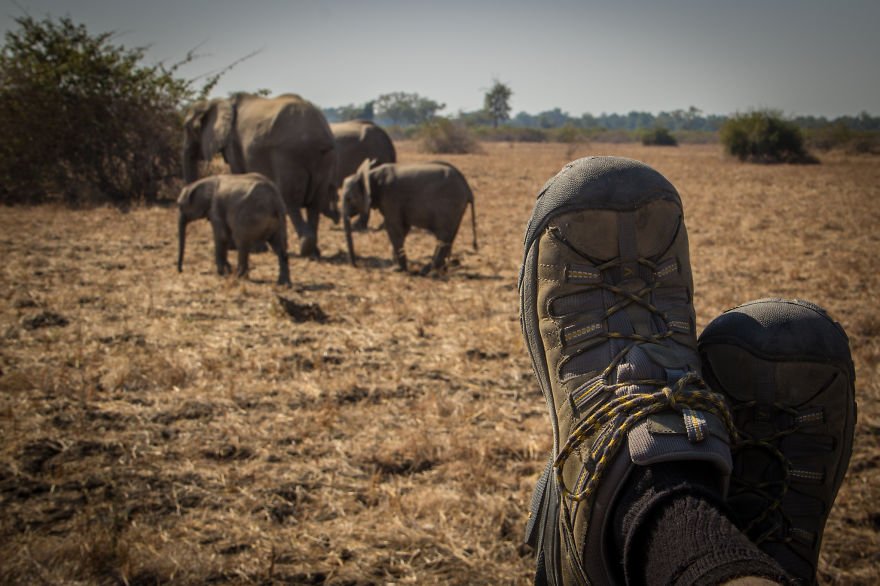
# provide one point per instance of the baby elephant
(432, 196)
(244, 210)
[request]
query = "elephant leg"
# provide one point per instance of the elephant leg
(441, 251)
(292, 180)
(308, 237)
(303, 231)
(221, 246)
(314, 217)
(244, 251)
(363, 221)
(279, 246)
(397, 236)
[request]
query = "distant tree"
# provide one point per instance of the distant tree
(863, 121)
(525, 120)
(350, 112)
(331, 114)
(364, 111)
(81, 117)
(587, 121)
(692, 118)
(496, 102)
(553, 118)
(406, 108)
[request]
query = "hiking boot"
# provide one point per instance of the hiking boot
(786, 370)
(606, 312)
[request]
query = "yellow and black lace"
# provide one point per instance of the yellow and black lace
(616, 417)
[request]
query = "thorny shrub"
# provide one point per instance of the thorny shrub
(84, 119)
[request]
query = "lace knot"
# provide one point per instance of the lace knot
(670, 397)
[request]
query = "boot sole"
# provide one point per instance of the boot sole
(785, 364)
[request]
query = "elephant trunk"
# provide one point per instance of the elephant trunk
(191, 157)
(346, 222)
(181, 239)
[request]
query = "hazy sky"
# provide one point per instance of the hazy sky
(799, 56)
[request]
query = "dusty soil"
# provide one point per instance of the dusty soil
(363, 426)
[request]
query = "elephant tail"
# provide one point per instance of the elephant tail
(470, 193)
(473, 220)
(310, 187)
(455, 171)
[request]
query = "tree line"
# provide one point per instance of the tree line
(411, 109)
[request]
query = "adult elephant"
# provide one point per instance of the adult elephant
(285, 138)
(357, 141)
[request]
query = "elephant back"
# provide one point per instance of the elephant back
(357, 140)
(380, 144)
(287, 121)
(348, 131)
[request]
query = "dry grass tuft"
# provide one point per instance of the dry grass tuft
(163, 427)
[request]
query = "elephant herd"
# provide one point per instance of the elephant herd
(284, 157)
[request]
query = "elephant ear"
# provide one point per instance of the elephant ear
(193, 119)
(185, 195)
(216, 126)
(196, 197)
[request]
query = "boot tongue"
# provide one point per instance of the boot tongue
(655, 362)
(638, 365)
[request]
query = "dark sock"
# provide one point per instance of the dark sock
(669, 529)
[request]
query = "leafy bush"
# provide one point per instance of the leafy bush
(442, 136)
(658, 136)
(764, 137)
(83, 119)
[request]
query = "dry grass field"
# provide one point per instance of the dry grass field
(186, 428)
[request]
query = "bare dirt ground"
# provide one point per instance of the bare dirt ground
(187, 428)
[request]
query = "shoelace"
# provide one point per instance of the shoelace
(623, 412)
(777, 529)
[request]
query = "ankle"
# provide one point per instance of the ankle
(670, 529)
(649, 491)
